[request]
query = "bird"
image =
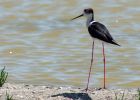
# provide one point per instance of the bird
(97, 31)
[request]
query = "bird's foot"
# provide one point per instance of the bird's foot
(86, 90)
(91, 90)
(101, 88)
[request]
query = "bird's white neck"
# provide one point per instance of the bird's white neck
(90, 18)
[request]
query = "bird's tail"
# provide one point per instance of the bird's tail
(114, 42)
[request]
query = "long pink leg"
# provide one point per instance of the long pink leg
(104, 65)
(90, 66)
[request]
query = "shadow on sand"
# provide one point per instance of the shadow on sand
(74, 96)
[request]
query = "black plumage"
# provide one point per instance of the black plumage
(99, 31)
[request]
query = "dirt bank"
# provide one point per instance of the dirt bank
(33, 92)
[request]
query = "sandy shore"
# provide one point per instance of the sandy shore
(32, 92)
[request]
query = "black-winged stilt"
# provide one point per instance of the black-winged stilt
(98, 31)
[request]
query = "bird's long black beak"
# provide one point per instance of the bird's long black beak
(78, 16)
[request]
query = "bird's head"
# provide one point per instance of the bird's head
(86, 12)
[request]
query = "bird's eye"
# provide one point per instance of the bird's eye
(88, 11)
(85, 10)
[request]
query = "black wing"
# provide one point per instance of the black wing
(99, 31)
